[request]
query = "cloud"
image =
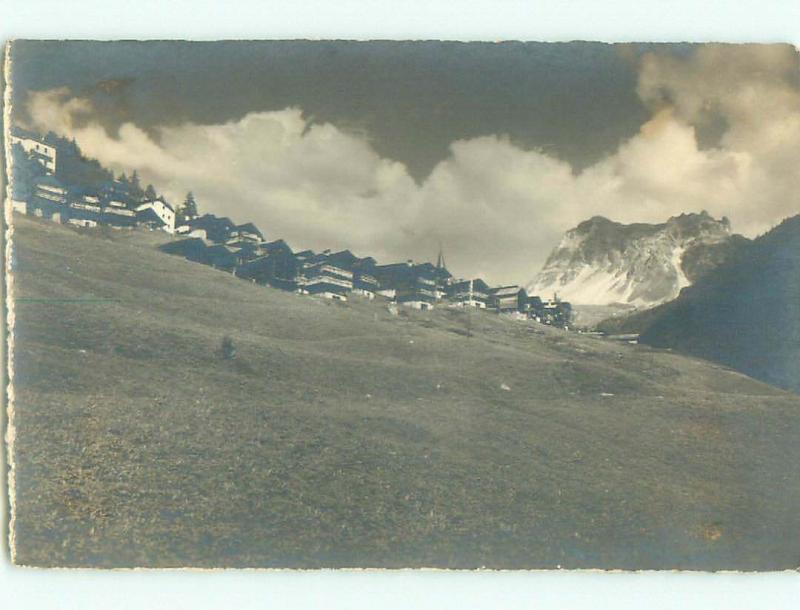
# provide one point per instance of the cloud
(754, 90)
(56, 110)
(496, 208)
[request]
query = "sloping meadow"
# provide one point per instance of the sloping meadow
(356, 435)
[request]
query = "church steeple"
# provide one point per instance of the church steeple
(440, 259)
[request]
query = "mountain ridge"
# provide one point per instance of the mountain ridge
(603, 262)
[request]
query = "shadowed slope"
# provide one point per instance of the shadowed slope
(744, 314)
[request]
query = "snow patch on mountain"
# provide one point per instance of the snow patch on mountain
(601, 262)
(677, 263)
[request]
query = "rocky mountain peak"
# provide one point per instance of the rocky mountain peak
(601, 262)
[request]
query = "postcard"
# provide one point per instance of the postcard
(337, 304)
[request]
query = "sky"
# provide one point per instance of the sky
(491, 150)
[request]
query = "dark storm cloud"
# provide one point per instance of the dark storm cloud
(576, 101)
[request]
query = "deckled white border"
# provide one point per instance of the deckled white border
(8, 334)
(740, 21)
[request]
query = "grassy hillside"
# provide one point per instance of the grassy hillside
(344, 435)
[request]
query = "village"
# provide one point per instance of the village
(54, 181)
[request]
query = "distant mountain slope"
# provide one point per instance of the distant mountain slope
(343, 435)
(601, 262)
(745, 313)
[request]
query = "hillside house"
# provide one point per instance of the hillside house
(48, 200)
(216, 229)
(36, 148)
(221, 257)
(508, 299)
(116, 192)
(117, 204)
(344, 258)
(413, 285)
(366, 264)
(365, 285)
(276, 266)
(420, 293)
(434, 277)
(535, 307)
(258, 270)
(193, 249)
(85, 210)
(469, 293)
(305, 260)
(50, 188)
(392, 274)
(556, 313)
(304, 255)
(87, 202)
(284, 264)
(245, 251)
(156, 214)
(318, 276)
(363, 269)
(245, 233)
(365, 282)
(116, 214)
(187, 231)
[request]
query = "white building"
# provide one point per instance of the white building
(41, 152)
(163, 210)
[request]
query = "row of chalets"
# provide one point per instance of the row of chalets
(242, 249)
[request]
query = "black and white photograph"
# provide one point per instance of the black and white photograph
(403, 304)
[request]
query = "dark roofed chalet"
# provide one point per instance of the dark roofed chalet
(218, 229)
(508, 299)
(277, 246)
(247, 231)
(50, 188)
(303, 257)
(473, 293)
(116, 192)
(534, 305)
(412, 284)
(193, 249)
(277, 267)
(556, 313)
(367, 264)
(49, 199)
(84, 207)
(245, 250)
(319, 274)
(221, 257)
(365, 282)
(344, 259)
(393, 274)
